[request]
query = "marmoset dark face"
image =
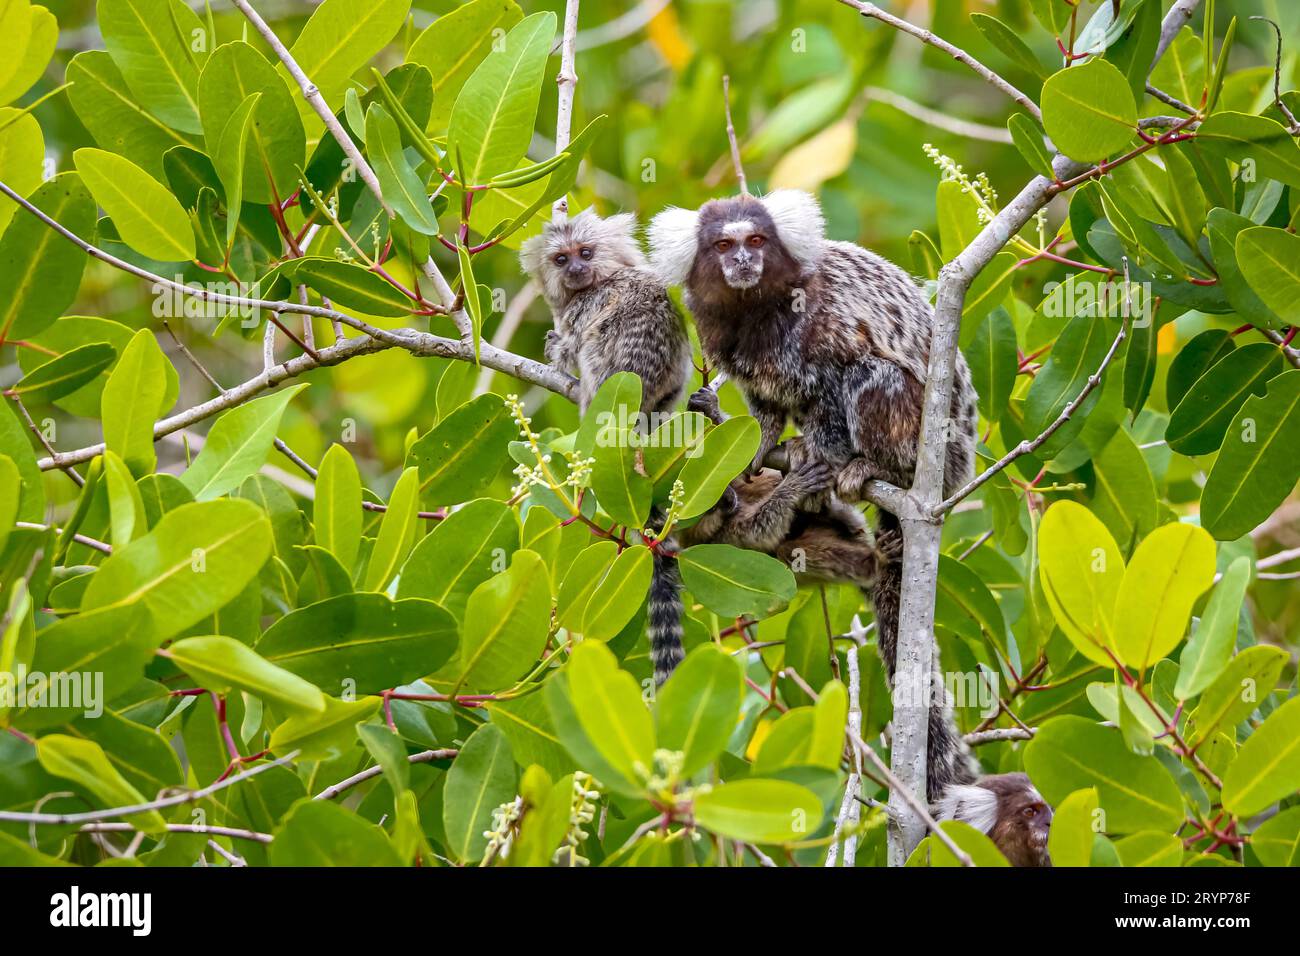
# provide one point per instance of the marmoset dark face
(1024, 820)
(739, 244)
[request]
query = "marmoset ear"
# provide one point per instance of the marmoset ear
(799, 222)
(969, 804)
(673, 243)
(531, 254)
(621, 225)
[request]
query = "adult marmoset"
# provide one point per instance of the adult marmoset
(612, 314)
(836, 339)
(1009, 810)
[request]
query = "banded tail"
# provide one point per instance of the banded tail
(664, 626)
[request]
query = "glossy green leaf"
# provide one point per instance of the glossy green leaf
(1198, 424)
(1088, 110)
(698, 707)
(507, 621)
(336, 510)
(149, 41)
(759, 811)
(1256, 468)
(237, 445)
(396, 532)
(1212, 643)
(482, 777)
(728, 450)
(363, 641)
(461, 455)
(1267, 767)
(321, 833)
(1081, 569)
(132, 400)
(1171, 568)
(730, 581)
(455, 44)
(221, 664)
(65, 374)
(40, 271)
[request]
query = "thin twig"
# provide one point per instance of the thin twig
(192, 796)
(731, 136)
(100, 546)
(1029, 445)
(958, 54)
(565, 83)
(424, 756)
(235, 833)
(978, 737)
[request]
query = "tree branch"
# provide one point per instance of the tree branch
(731, 136)
(192, 796)
(424, 756)
(565, 83)
(921, 524)
(958, 54)
(1027, 446)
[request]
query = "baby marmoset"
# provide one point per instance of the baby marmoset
(836, 339)
(767, 512)
(1009, 810)
(612, 314)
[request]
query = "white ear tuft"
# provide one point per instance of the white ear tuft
(799, 221)
(973, 805)
(622, 224)
(530, 254)
(673, 243)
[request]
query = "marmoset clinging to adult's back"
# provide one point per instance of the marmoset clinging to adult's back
(612, 314)
(836, 339)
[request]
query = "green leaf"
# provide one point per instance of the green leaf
(22, 154)
(1124, 494)
(237, 445)
(1028, 139)
(526, 722)
(126, 506)
(1257, 466)
(85, 764)
(197, 559)
(1149, 848)
(1081, 569)
(1172, 567)
(1236, 692)
(454, 45)
(1089, 111)
(229, 157)
(481, 778)
(145, 214)
(622, 490)
(114, 117)
(340, 38)
(759, 811)
(327, 735)
(1069, 842)
(492, 120)
(350, 286)
(16, 446)
(732, 581)
(114, 642)
(221, 664)
(463, 550)
(1223, 227)
(473, 304)
(403, 189)
(1270, 262)
(1194, 360)
(994, 363)
(149, 42)
(1072, 753)
(460, 457)
(364, 638)
(65, 374)
(277, 144)
(728, 450)
(607, 702)
(1201, 419)
(396, 532)
(1009, 42)
(321, 833)
(132, 399)
(586, 571)
(1261, 142)
(618, 596)
(1274, 840)
(697, 709)
(963, 594)
(1211, 645)
(336, 510)
(507, 622)
(36, 50)
(40, 271)
(1077, 354)
(1267, 767)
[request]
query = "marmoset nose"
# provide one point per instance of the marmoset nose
(576, 269)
